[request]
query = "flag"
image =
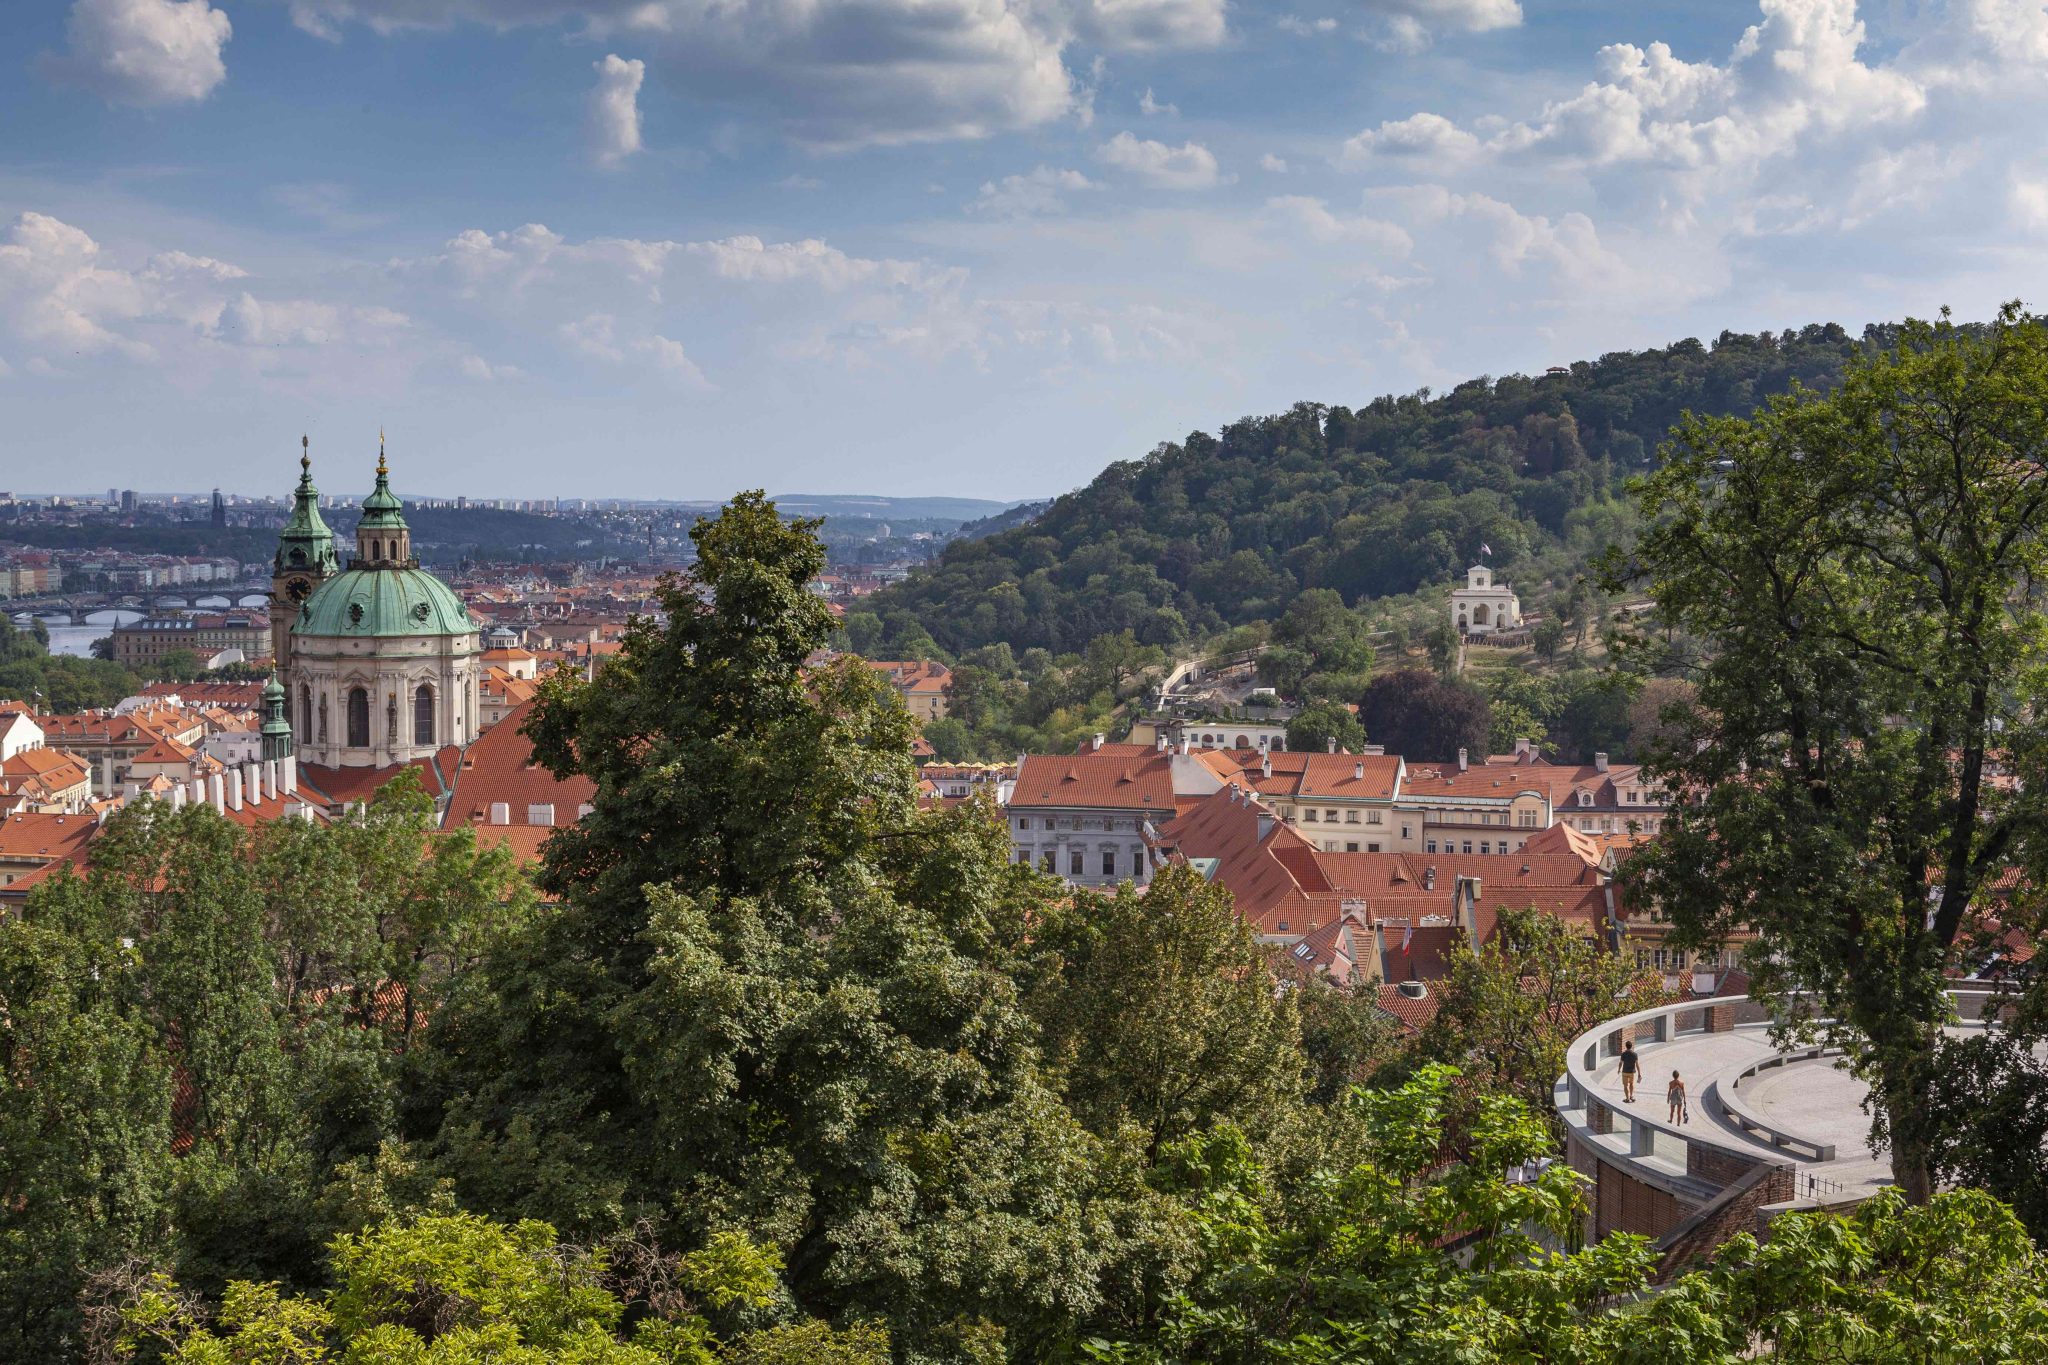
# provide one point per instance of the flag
(1484, 548)
(1407, 936)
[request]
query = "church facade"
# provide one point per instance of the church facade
(379, 660)
(1484, 606)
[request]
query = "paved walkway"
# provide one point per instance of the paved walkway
(1814, 1098)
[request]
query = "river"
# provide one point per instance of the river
(77, 640)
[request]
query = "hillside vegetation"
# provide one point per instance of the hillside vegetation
(1373, 502)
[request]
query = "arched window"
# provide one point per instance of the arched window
(306, 711)
(423, 715)
(358, 718)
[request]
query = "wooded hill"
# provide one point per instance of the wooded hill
(1377, 501)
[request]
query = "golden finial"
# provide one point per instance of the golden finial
(380, 453)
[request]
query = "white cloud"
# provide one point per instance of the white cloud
(1409, 25)
(1792, 77)
(2030, 203)
(144, 52)
(1429, 137)
(1150, 107)
(613, 118)
(837, 74)
(1146, 25)
(249, 321)
(1314, 218)
(57, 293)
(747, 258)
(1042, 190)
(1276, 164)
(1302, 27)
(1190, 166)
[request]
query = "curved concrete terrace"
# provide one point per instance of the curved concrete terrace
(1770, 1129)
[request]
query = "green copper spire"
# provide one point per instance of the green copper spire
(277, 731)
(306, 543)
(382, 511)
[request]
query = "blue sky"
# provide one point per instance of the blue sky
(675, 248)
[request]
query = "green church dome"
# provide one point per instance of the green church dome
(382, 510)
(362, 603)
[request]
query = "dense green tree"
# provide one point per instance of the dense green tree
(1863, 570)
(1409, 1245)
(85, 1128)
(1370, 502)
(1507, 1012)
(1313, 727)
(774, 996)
(1424, 717)
(453, 1288)
(1167, 1016)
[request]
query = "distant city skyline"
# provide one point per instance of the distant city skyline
(970, 247)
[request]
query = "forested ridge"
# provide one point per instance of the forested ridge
(1373, 502)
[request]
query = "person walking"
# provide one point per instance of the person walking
(1674, 1095)
(1630, 1063)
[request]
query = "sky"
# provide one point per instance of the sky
(676, 248)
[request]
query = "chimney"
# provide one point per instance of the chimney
(1374, 751)
(1160, 744)
(198, 791)
(1333, 744)
(1358, 772)
(217, 792)
(252, 782)
(178, 796)
(1599, 763)
(234, 789)
(1465, 906)
(270, 778)
(1185, 743)
(288, 779)
(1429, 879)
(1266, 766)
(1463, 760)
(1524, 751)
(1097, 743)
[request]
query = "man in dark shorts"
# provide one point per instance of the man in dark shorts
(1629, 1064)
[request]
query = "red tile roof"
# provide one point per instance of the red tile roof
(499, 767)
(47, 837)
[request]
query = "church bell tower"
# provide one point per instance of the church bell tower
(305, 557)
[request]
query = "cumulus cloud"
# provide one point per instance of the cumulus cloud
(1302, 27)
(840, 74)
(1150, 107)
(597, 337)
(61, 295)
(1794, 76)
(1429, 137)
(143, 52)
(1042, 190)
(1314, 218)
(1276, 164)
(612, 120)
(1410, 25)
(1190, 166)
(57, 292)
(810, 261)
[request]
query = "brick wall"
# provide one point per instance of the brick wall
(1626, 1204)
(1738, 1210)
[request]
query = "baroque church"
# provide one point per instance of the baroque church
(379, 660)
